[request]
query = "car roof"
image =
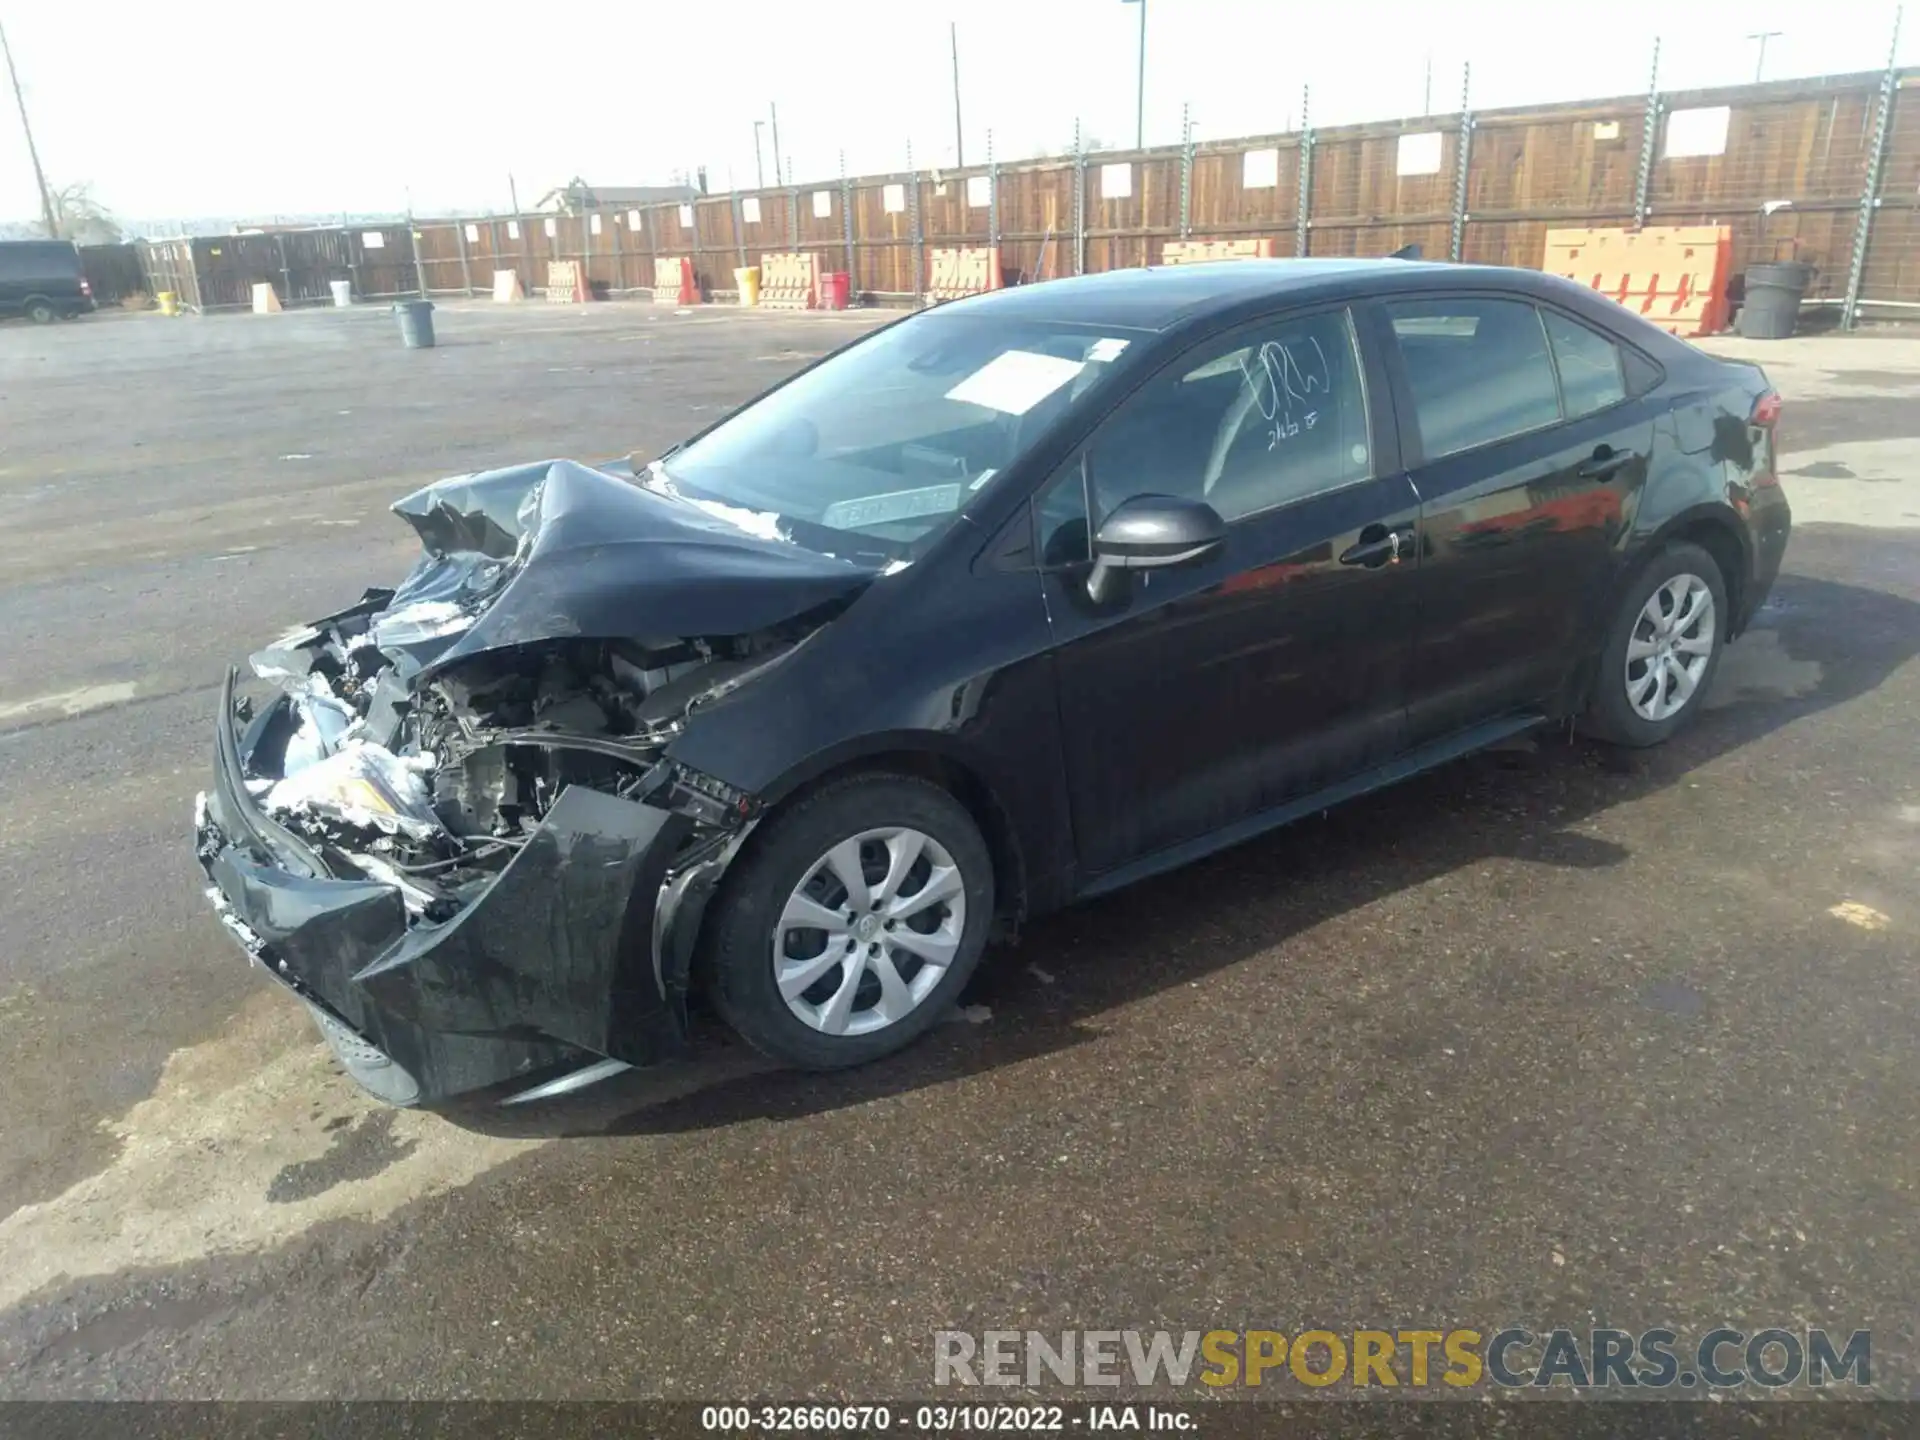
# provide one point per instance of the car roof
(1161, 297)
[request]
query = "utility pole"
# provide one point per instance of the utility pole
(1140, 82)
(513, 193)
(759, 171)
(773, 112)
(1426, 102)
(1760, 61)
(39, 176)
(959, 141)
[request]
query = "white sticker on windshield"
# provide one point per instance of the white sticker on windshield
(896, 505)
(1016, 381)
(1105, 349)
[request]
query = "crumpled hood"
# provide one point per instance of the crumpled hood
(555, 550)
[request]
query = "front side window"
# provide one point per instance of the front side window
(1478, 369)
(872, 453)
(1589, 363)
(1276, 413)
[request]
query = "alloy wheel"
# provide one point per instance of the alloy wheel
(1671, 644)
(869, 931)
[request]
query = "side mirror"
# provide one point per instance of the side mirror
(1151, 532)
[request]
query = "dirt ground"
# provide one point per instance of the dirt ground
(1551, 1036)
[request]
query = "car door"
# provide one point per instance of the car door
(1528, 455)
(1198, 697)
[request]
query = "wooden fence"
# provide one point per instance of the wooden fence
(1826, 171)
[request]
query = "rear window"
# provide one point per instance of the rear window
(1478, 368)
(21, 259)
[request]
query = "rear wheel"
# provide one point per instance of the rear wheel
(41, 312)
(852, 922)
(1662, 649)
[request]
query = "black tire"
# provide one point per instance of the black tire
(738, 938)
(1610, 713)
(41, 312)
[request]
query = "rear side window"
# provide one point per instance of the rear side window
(1478, 368)
(1590, 375)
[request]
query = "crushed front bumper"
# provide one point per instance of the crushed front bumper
(551, 971)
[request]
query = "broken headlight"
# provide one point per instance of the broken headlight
(697, 795)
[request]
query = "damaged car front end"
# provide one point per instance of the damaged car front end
(455, 831)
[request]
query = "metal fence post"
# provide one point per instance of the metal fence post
(1870, 193)
(739, 237)
(619, 281)
(419, 270)
(846, 220)
(1186, 170)
(793, 217)
(1460, 170)
(1079, 203)
(466, 265)
(913, 223)
(1304, 201)
(993, 196)
(286, 273)
(1649, 140)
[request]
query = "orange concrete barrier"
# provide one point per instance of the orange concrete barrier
(1674, 275)
(790, 281)
(567, 283)
(1193, 252)
(956, 273)
(673, 280)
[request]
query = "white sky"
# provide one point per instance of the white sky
(252, 110)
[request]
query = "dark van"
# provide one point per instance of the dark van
(42, 280)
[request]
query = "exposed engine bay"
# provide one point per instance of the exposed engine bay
(454, 828)
(433, 787)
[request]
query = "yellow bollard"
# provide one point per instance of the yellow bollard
(169, 302)
(749, 282)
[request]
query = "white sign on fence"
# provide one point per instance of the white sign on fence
(593, 224)
(979, 191)
(1698, 132)
(513, 229)
(686, 216)
(750, 209)
(551, 227)
(822, 204)
(893, 198)
(1259, 169)
(1116, 181)
(473, 234)
(633, 219)
(373, 240)
(1419, 154)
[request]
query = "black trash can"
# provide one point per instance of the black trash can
(416, 323)
(1773, 299)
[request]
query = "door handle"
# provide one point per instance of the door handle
(1380, 546)
(1606, 462)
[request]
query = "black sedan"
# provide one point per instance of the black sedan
(1000, 608)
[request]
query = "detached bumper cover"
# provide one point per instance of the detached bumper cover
(550, 969)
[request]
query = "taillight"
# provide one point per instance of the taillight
(1765, 414)
(86, 287)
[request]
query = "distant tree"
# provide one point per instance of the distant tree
(83, 219)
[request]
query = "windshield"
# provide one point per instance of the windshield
(875, 450)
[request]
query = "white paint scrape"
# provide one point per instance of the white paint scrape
(198, 1157)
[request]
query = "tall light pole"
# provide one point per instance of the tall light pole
(1760, 61)
(1140, 83)
(773, 113)
(33, 154)
(959, 142)
(759, 167)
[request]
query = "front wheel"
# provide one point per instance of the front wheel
(41, 312)
(852, 922)
(1662, 649)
